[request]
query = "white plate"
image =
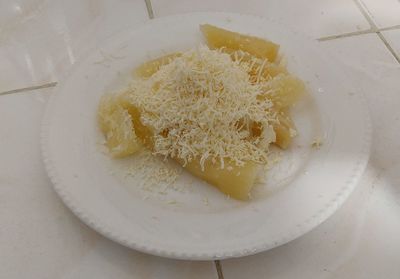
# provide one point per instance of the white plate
(191, 220)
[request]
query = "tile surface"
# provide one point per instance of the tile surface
(40, 40)
(359, 240)
(40, 238)
(393, 38)
(315, 18)
(384, 13)
(345, 246)
(39, 232)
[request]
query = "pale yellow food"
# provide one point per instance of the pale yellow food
(258, 68)
(148, 68)
(234, 181)
(284, 130)
(282, 88)
(219, 38)
(116, 124)
(140, 118)
(285, 91)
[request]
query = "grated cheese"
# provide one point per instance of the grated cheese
(317, 143)
(203, 105)
(154, 172)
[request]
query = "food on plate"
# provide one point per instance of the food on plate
(214, 109)
(221, 38)
(149, 68)
(116, 124)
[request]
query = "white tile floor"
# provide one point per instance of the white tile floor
(325, 18)
(384, 13)
(40, 238)
(40, 40)
(393, 38)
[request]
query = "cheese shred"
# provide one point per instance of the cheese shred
(204, 106)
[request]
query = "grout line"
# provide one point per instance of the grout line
(390, 28)
(31, 88)
(388, 46)
(149, 9)
(219, 269)
(365, 12)
(357, 33)
(345, 35)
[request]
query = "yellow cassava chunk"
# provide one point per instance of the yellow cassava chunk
(144, 134)
(233, 181)
(285, 90)
(147, 69)
(284, 129)
(116, 124)
(218, 38)
(258, 69)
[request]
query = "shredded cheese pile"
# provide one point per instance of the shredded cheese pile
(204, 106)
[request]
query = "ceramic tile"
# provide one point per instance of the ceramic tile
(376, 72)
(384, 13)
(393, 38)
(39, 237)
(313, 17)
(357, 241)
(39, 40)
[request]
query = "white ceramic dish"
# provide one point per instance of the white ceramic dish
(301, 191)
